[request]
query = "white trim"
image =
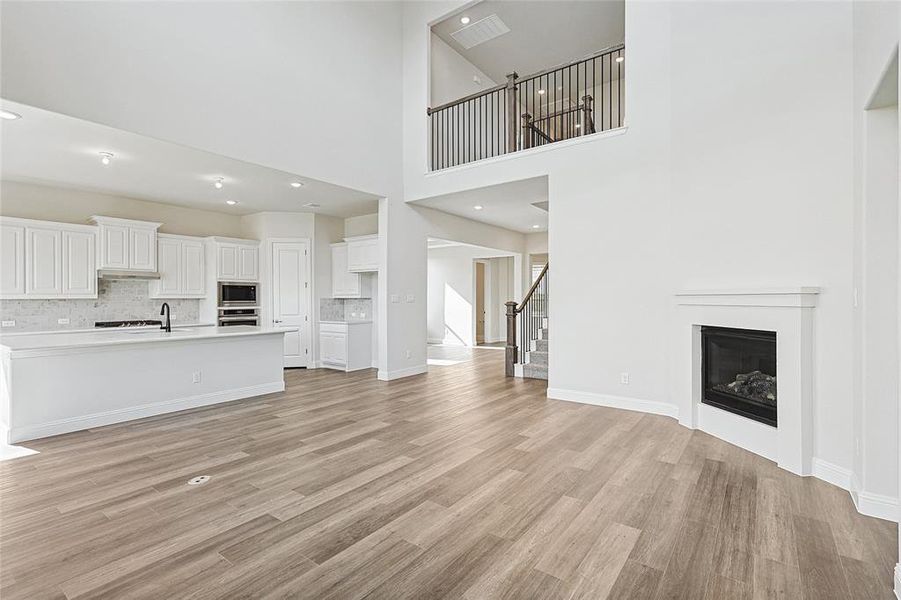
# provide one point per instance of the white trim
(876, 505)
(647, 406)
(437, 341)
(399, 373)
(32, 432)
(830, 473)
(582, 139)
(898, 581)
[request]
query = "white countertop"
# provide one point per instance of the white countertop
(121, 335)
(346, 322)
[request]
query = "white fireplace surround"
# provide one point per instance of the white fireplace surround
(790, 313)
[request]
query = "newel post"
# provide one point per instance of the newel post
(587, 120)
(512, 125)
(511, 350)
(526, 131)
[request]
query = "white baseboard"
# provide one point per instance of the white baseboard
(831, 473)
(898, 581)
(876, 505)
(33, 432)
(648, 406)
(438, 341)
(399, 373)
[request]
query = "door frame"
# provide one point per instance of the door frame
(266, 311)
(475, 292)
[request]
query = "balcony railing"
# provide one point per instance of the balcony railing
(561, 103)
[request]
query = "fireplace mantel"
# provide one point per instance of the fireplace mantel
(789, 312)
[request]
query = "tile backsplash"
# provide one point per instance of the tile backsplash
(116, 300)
(345, 309)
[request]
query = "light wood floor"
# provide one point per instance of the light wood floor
(456, 484)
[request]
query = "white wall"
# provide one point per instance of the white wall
(50, 203)
(763, 157)
(452, 75)
(876, 389)
(276, 84)
(362, 225)
(452, 298)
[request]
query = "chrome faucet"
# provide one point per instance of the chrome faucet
(164, 310)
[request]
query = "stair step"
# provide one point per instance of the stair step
(535, 371)
(538, 358)
(541, 345)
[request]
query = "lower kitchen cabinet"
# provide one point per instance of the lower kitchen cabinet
(346, 346)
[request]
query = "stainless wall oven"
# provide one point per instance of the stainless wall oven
(236, 293)
(230, 317)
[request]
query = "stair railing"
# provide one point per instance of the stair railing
(532, 312)
(578, 98)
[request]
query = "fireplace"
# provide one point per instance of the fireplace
(739, 372)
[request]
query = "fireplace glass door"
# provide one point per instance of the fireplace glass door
(739, 372)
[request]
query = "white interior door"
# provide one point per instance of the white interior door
(290, 298)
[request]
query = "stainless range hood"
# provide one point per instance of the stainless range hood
(116, 274)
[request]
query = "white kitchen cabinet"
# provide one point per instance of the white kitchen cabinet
(236, 260)
(12, 260)
(46, 260)
(195, 269)
(126, 244)
(79, 264)
(248, 262)
(346, 346)
(363, 254)
(180, 260)
(344, 283)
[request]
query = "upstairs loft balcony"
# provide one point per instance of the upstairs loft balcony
(580, 98)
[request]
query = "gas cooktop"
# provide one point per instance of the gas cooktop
(135, 323)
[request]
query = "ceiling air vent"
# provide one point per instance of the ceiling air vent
(480, 32)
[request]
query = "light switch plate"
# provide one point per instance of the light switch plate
(395, 298)
(624, 378)
(62, 321)
(411, 298)
(8, 323)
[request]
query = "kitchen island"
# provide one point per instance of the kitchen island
(60, 382)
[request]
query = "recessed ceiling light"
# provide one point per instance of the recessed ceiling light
(541, 92)
(478, 207)
(296, 184)
(218, 184)
(106, 157)
(312, 205)
(464, 20)
(536, 226)
(9, 115)
(620, 58)
(231, 202)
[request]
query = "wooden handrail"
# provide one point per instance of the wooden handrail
(532, 289)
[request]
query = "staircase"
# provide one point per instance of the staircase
(527, 332)
(535, 365)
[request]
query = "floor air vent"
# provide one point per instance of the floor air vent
(480, 32)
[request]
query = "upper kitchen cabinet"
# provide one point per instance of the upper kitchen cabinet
(344, 283)
(46, 260)
(126, 244)
(236, 259)
(181, 264)
(363, 254)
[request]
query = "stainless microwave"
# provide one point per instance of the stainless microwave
(237, 293)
